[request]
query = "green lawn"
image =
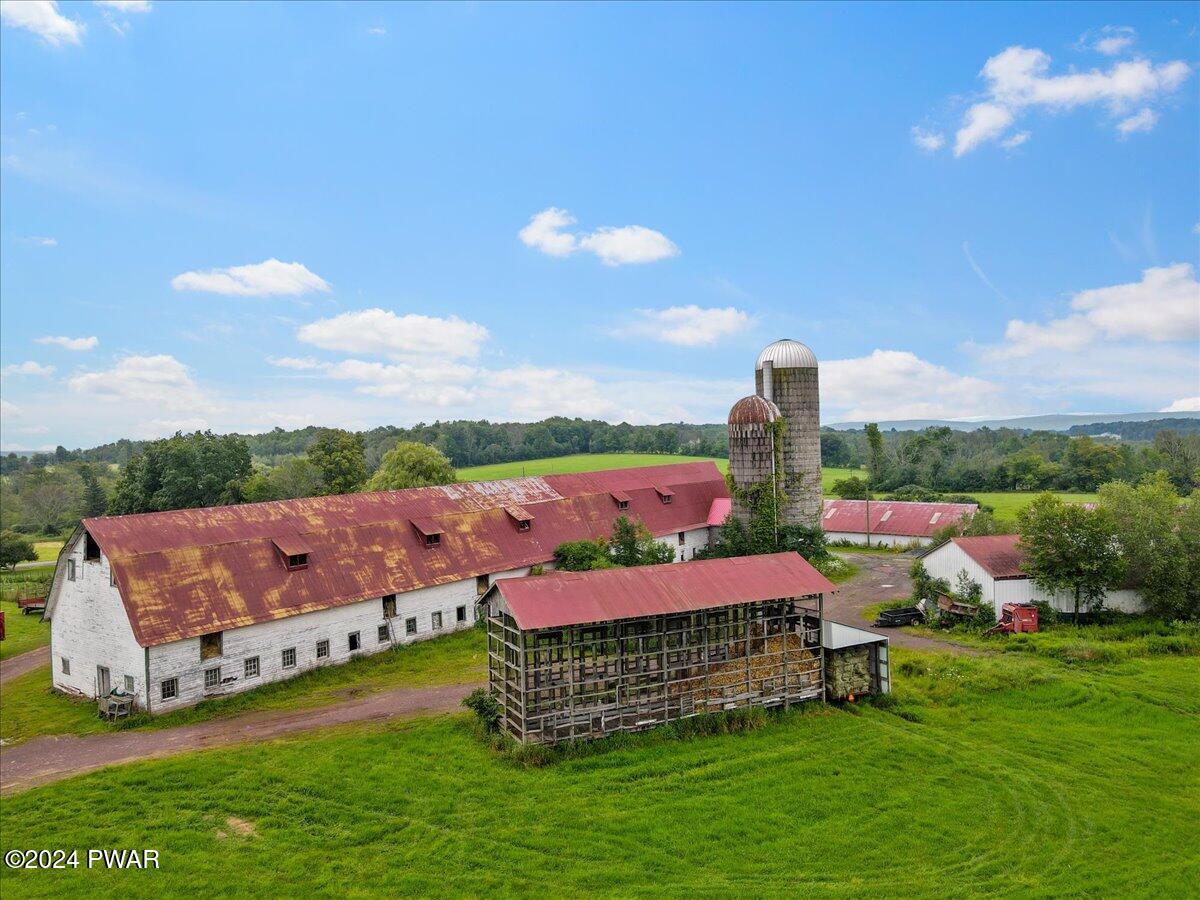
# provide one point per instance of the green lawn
(21, 632)
(47, 551)
(1008, 504)
(29, 708)
(1004, 774)
(579, 462)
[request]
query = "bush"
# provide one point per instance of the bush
(486, 707)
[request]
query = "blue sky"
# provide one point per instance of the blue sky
(237, 217)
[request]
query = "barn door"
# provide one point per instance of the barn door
(103, 682)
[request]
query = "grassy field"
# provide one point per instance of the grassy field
(1001, 774)
(21, 632)
(29, 708)
(47, 551)
(1008, 504)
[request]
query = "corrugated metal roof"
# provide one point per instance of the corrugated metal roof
(193, 571)
(291, 545)
(719, 511)
(893, 517)
(997, 554)
(787, 354)
(753, 410)
(580, 598)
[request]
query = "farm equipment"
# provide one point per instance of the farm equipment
(31, 605)
(1016, 618)
(951, 607)
(895, 618)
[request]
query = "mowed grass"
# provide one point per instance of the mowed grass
(991, 775)
(1008, 504)
(29, 708)
(21, 632)
(47, 551)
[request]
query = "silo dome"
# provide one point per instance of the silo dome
(753, 410)
(787, 354)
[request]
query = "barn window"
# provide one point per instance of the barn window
(389, 606)
(288, 658)
(622, 504)
(682, 538)
(481, 585)
(410, 626)
(432, 540)
(210, 645)
(436, 621)
(383, 634)
(212, 678)
(66, 666)
(460, 614)
(620, 498)
(129, 684)
(297, 561)
(251, 667)
(91, 550)
(354, 641)
(665, 494)
(524, 525)
(70, 570)
(169, 689)
(322, 649)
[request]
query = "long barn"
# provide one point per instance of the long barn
(175, 607)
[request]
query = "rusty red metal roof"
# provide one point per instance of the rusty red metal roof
(997, 554)
(291, 545)
(192, 571)
(753, 410)
(719, 511)
(581, 598)
(893, 517)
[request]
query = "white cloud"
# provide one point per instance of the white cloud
(1012, 143)
(28, 368)
(927, 140)
(153, 382)
(265, 279)
(1164, 306)
(897, 384)
(377, 30)
(70, 343)
(295, 362)
(984, 122)
(44, 241)
(1143, 120)
(9, 410)
(382, 332)
(41, 17)
(1184, 404)
(1112, 41)
(615, 246)
(687, 326)
(544, 232)
(630, 244)
(151, 429)
(125, 6)
(1018, 79)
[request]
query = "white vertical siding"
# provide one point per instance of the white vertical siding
(89, 627)
(879, 540)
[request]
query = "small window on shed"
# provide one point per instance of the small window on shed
(622, 504)
(66, 666)
(384, 636)
(322, 649)
(91, 550)
(210, 645)
(481, 585)
(354, 641)
(410, 626)
(288, 658)
(251, 667)
(460, 614)
(70, 570)
(682, 538)
(212, 678)
(129, 684)
(297, 561)
(436, 621)
(432, 540)
(169, 689)
(389, 606)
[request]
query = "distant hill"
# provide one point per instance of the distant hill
(1138, 431)
(1064, 422)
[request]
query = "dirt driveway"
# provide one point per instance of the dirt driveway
(881, 576)
(18, 665)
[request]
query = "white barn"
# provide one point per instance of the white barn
(176, 607)
(994, 562)
(890, 523)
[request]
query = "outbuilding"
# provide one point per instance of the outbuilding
(890, 523)
(587, 654)
(995, 562)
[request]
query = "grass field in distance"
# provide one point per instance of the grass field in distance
(1010, 773)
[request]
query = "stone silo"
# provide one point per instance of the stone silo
(751, 446)
(786, 375)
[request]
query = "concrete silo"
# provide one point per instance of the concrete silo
(752, 458)
(786, 375)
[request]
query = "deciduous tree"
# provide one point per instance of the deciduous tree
(410, 464)
(340, 458)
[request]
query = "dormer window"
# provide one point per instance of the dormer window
(621, 499)
(294, 551)
(91, 550)
(522, 519)
(429, 530)
(666, 495)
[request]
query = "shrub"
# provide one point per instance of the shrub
(486, 707)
